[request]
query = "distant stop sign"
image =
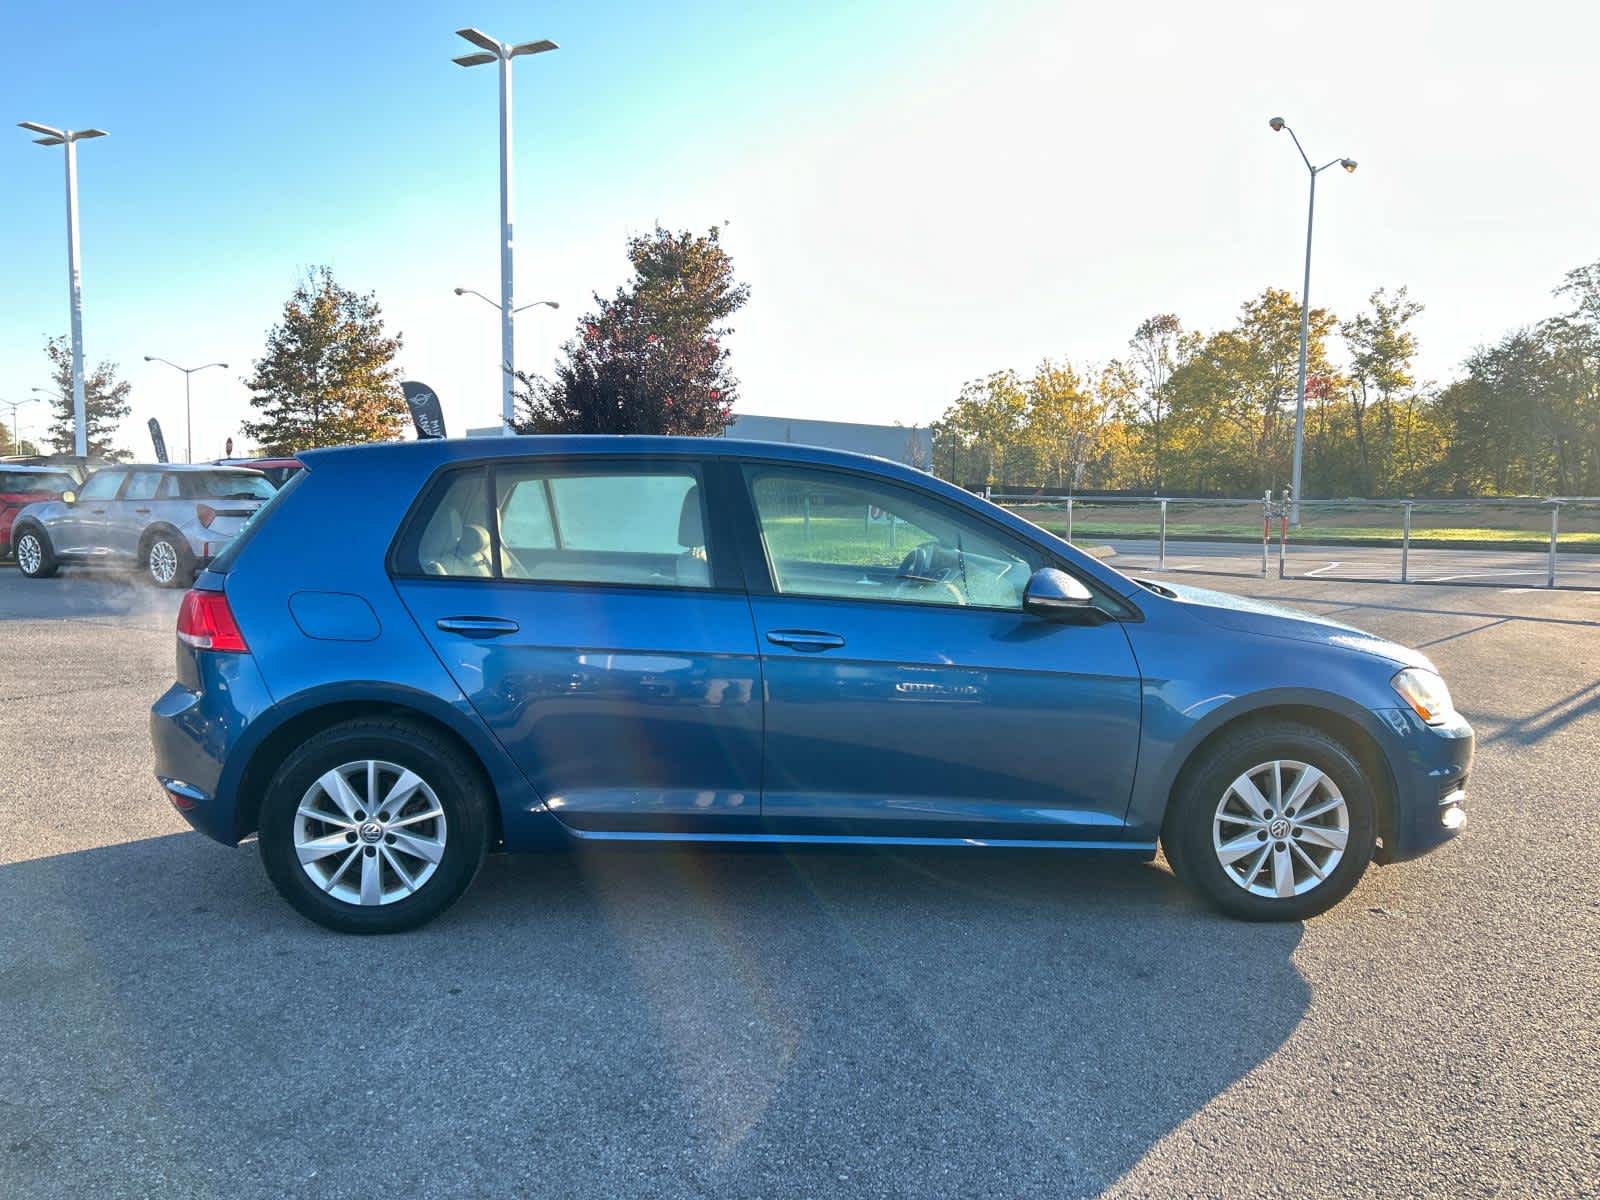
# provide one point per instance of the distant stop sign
(228, 450)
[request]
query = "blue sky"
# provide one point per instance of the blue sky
(918, 193)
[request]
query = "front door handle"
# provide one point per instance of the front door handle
(477, 627)
(809, 640)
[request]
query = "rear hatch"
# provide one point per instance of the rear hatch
(225, 499)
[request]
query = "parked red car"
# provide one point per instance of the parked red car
(21, 486)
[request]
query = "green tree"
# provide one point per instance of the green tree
(650, 359)
(105, 403)
(1232, 400)
(1382, 348)
(1065, 423)
(328, 376)
(1156, 351)
(984, 427)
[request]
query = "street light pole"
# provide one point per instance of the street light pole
(70, 138)
(188, 415)
(1277, 125)
(16, 429)
(502, 53)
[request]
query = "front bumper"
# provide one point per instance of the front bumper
(1430, 765)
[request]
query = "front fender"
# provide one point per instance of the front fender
(1171, 736)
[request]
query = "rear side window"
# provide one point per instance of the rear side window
(142, 485)
(13, 482)
(612, 523)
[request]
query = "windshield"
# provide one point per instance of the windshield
(227, 485)
(13, 482)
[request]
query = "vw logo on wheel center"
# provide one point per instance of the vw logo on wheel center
(371, 831)
(1278, 829)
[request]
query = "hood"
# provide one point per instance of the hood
(1277, 620)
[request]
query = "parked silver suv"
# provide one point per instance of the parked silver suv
(168, 520)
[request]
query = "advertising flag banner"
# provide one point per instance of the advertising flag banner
(425, 410)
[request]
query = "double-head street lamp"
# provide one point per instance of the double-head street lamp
(492, 304)
(1279, 125)
(492, 51)
(188, 418)
(70, 139)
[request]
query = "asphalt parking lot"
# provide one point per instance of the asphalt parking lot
(717, 1023)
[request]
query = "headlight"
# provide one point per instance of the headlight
(1426, 693)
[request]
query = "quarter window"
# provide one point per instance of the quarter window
(830, 534)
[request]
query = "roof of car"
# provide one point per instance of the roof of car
(35, 468)
(181, 467)
(437, 451)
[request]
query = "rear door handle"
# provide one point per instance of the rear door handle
(141, 510)
(805, 639)
(477, 627)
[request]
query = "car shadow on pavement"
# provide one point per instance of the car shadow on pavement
(615, 1022)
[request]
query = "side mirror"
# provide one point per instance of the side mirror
(69, 497)
(1053, 593)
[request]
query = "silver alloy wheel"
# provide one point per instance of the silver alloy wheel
(163, 561)
(369, 832)
(30, 555)
(1280, 829)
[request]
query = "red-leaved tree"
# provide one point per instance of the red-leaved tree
(650, 359)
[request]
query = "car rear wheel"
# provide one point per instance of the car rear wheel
(35, 557)
(167, 561)
(1275, 823)
(374, 826)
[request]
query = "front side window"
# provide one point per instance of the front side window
(102, 485)
(834, 534)
(563, 524)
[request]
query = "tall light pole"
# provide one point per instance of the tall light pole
(188, 416)
(16, 430)
(1278, 125)
(500, 52)
(70, 139)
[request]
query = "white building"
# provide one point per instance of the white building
(909, 444)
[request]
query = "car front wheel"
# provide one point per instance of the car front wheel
(35, 558)
(374, 826)
(1276, 822)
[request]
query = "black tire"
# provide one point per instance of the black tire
(455, 782)
(155, 561)
(1187, 834)
(47, 564)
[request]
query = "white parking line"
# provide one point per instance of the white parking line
(1320, 570)
(1481, 575)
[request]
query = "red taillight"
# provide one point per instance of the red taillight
(206, 513)
(206, 622)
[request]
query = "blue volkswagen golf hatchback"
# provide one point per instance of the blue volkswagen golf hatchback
(525, 642)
